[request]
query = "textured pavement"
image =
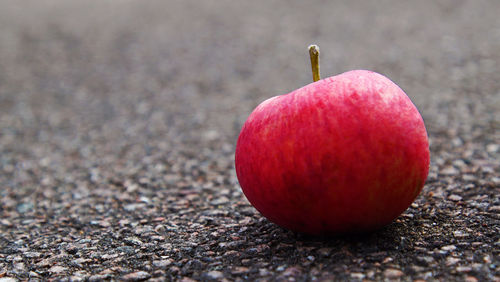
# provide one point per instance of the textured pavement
(118, 124)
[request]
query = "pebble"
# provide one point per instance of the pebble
(19, 267)
(471, 279)
(492, 148)
(392, 273)
(239, 270)
(455, 198)
(99, 277)
(292, 271)
(387, 260)
(162, 263)
(214, 275)
(460, 234)
(44, 263)
(426, 260)
(32, 254)
(25, 207)
(449, 248)
(463, 269)
(136, 276)
(264, 272)
(449, 171)
(495, 209)
(133, 241)
(6, 222)
(220, 201)
(357, 275)
(452, 261)
(133, 207)
(33, 274)
(57, 269)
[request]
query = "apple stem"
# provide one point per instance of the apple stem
(314, 54)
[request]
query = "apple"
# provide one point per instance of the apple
(344, 154)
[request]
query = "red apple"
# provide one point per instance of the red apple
(344, 154)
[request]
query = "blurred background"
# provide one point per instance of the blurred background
(105, 105)
(108, 65)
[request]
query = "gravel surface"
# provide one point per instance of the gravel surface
(118, 123)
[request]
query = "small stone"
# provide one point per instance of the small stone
(239, 270)
(6, 223)
(494, 209)
(357, 275)
(32, 254)
(104, 223)
(449, 171)
(264, 272)
(487, 169)
(132, 207)
(133, 241)
(211, 135)
(8, 279)
(471, 279)
(463, 269)
(393, 273)
(99, 277)
(451, 261)
(33, 274)
(25, 207)
(44, 263)
(425, 260)
(109, 256)
(78, 276)
(460, 234)
(220, 201)
(108, 271)
(123, 222)
(245, 221)
(19, 267)
(468, 177)
(459, 163)
(145, 199)
(476, 266)
(457, 142)
(162, 263)
(387, 259)
(487, 259)
(57, 269)
(454, 197)
(130, 186)
(492, 148)
(160, 228)
(449, 248)
(292, 271)
(214, 275)
(280, 268)
(325, 252)
(136, 276)
(80, 262)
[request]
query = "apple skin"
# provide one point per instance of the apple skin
(345, 154)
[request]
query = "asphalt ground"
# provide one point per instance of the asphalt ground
(118, 124)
